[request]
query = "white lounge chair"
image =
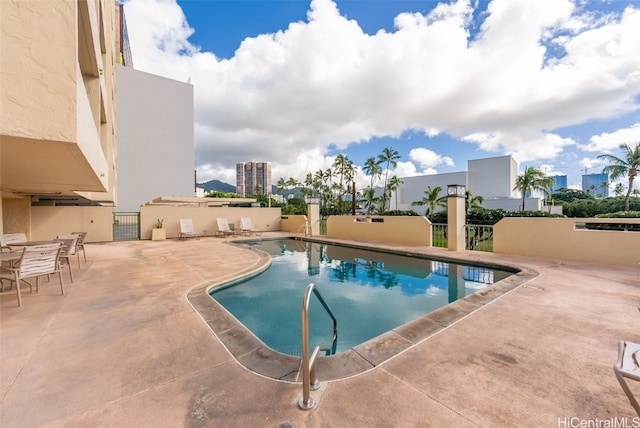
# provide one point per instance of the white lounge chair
(628, 366)
(186, 229)
(247, 228)
(223, 227)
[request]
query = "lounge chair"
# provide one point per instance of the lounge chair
(36, 261)
(628, 366)
(247, 227)
(223, 227)
(186, 229)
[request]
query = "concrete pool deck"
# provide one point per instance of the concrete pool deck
(124, 347)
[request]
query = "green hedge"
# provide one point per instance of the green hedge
(620, 214)
(400, 213)
(484, 216)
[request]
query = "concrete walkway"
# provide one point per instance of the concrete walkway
(124, 347)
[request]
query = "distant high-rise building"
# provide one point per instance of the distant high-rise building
(559, 182)
(125, 58)
(596, 184)
(253, 178)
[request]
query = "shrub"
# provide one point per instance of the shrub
(439, 217)
(620, 214)
(400, 213)
(484, 216)
(532, 214)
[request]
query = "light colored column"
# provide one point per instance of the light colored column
(456, 282)
(456, 217)
(313, 217)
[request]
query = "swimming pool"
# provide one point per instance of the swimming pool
(369, 292)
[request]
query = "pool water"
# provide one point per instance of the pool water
(369, 292)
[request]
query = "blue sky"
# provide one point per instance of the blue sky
(555, 83)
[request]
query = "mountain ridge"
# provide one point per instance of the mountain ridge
(221, 186)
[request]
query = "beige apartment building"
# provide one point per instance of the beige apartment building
(57, 126)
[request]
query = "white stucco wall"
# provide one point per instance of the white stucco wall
(513, 204)
(155, 138)
(493, 177)
(412, 188)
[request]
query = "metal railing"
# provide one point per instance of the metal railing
(306, 229)
(126, 226)
(309, 380)
(439, 235)
(479, 237)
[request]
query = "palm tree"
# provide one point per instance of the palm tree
(293, 183)
(472, 201)
(431, 199)
(618, 190)
(344, 169)
(393, 185)
(390, 158)
(372, 167)
(532, 179)
(281, 185)
(307, 189)
(627, 165)
(369, 198)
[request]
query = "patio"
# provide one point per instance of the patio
(123, 347)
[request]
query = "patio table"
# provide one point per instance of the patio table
(29, 243)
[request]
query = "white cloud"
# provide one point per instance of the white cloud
(406, 169)
(426, 158)
(608, 142)
(287, 97)
(551, 170)
(524, 146)
(591, 166)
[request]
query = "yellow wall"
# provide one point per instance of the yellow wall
(48, 222)
(556, 238)
(16, 215)
(204, 218)
(402, 230)
(41, 66)
(293, 223)
(57, 127)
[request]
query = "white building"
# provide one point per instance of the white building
(155, 138)
(492, 178)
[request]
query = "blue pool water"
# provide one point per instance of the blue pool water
(369, 292)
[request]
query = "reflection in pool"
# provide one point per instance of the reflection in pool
(370, 292)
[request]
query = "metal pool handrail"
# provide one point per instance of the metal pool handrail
(308, 363)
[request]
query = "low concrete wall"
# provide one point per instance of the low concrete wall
(204, 218)
(557, 238)
(48, 222)
(410, 230)
(293, 223)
